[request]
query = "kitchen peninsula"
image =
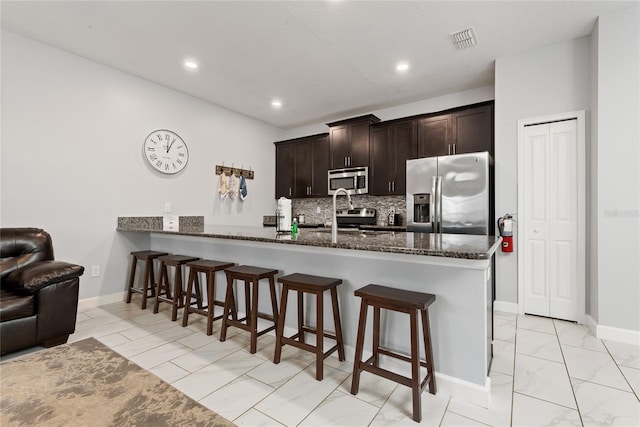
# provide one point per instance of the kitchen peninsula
(456, 268)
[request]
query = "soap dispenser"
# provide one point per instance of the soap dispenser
(392, 216)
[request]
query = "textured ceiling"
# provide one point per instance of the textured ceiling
(325, 60)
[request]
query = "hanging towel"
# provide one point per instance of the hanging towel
(233, 187)
(243, 188)
(222, 186)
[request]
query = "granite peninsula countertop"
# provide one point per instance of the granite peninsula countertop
(460, 246)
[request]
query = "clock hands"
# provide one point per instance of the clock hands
(170, 145)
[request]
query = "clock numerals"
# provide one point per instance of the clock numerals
(165, 151)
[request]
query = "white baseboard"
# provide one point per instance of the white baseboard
(610, 333)
(617, 334)
(86, 303)
(507, 307)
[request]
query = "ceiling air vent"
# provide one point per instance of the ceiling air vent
(464, 38)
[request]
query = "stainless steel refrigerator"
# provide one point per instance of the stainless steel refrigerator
(451, 194)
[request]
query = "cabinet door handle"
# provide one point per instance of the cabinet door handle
(289, 191)
(389, 185)
(454, 148)
(309, 191)
(449, 149)
(393, 185)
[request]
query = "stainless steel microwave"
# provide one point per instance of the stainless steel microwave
(354, 180)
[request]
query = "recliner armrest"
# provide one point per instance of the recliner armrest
(36, 276)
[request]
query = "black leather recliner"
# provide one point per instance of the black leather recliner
(38, 296)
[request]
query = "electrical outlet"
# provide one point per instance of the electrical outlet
(95, 271)
(318, 210)
(167, 207)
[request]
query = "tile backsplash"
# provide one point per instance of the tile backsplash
(382, 204)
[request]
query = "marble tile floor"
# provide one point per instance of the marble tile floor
(544, 372)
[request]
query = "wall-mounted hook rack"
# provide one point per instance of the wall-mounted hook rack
(247, 173)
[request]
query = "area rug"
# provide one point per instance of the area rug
(87, 384)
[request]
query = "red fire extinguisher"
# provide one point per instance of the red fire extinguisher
(505, 225)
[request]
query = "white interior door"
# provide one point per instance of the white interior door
(550, 222)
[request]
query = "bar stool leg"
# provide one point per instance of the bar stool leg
(254, 318)
(192, 275)
(177, 292)
(300, 295)
(227, 308)
(211, 288)
(319, 335)
(415, 367)
(163, 283)
(132, 275)
(280, 327)
(338, 325)
(274, 301)
(376, 336)
(152, 282)
(247, 301)
(362, 323)
(145, 284)
(426, 332)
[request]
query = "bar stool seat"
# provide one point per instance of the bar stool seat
(403, 301)
(149, 282)
(177, 300)
(209, 268)
(316, 285)
(250, 275)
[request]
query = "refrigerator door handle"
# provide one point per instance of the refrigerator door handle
(437, 205)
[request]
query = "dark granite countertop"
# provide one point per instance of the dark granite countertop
(460, 246)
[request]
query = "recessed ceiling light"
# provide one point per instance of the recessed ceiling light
(190, 65)
(276, 103)
(403, 66)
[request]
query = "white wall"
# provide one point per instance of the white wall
(618, 140)
(592, 185)
(431, 105)
(541, 82)
(72, 134)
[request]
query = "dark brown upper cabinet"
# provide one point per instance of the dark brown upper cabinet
(473, 130)
(301, 166)
(434, 136)
(391, 146)
(463, 130)
(349, 141)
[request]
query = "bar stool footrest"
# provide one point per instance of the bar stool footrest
(304, 346)
(390, 353)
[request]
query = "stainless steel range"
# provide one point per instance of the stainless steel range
(353, 218)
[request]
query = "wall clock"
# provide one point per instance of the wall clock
(165, 151)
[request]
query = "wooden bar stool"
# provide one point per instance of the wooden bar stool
(304, 283)
(252, 275)
(209, 268)
(149, 282)
(176, 301)
(405, 302)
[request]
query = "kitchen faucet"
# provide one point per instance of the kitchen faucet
(334, 223)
